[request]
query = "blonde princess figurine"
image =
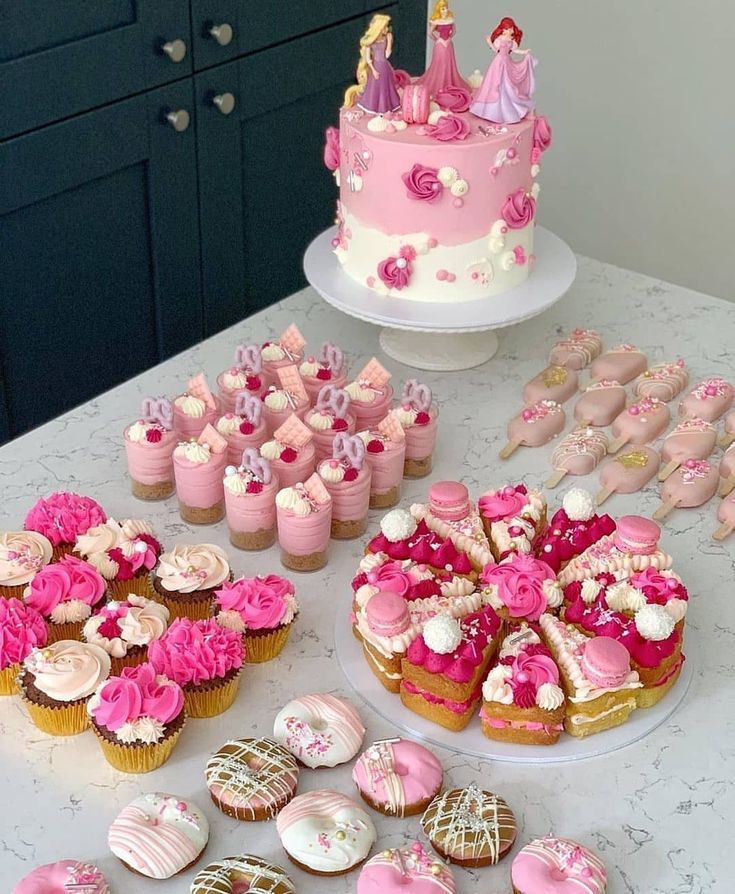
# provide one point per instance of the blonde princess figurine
(376, 90)
(443, 71)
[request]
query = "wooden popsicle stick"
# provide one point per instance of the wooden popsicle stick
(723, 531)
(603, 494)
(616, 445)
(725, 439)
(668, 469)
(663, 510)
(726, 485)
(509, 449)
(555, 477)
(583, 386)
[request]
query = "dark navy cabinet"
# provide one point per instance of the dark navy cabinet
(160, 176)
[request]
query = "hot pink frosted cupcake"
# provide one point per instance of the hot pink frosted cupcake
(124, 553)
(250, 502)
(243, 428)
(419, 418)
(22, 629)
(371, 395)
(196, 408)
(286, 397)
(287, 350)
(126, 629)
(198, 467)
(386, 453)
(304, 515)
(62, 517)
(204, 659)
(347, 479)
(329, 368)
(262, 610)
(149, 446)
(245, 377)
(65, 593)
(329, 417)
(291, 452)
(22, 555)
(188, 576)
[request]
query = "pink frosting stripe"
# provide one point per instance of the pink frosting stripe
(155, 853)
(192, 652)
(314, 804)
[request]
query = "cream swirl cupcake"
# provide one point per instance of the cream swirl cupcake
(187, 577)
(125, 629)
(123, 552)
(22, 554)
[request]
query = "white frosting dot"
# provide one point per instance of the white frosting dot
(398, 524)
(653, 622)
(442, 634)
(578, 504)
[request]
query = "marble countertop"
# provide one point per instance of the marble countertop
(658, 812)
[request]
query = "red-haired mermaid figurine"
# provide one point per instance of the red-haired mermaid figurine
(505, 95)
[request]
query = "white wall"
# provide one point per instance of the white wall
(641, 98)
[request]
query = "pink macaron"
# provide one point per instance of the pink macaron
(387, 614)
(636, 534)
(449, 500)
(605, 662)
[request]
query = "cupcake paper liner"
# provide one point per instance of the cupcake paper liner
(61, 550)
(263, 648)
(68, 630)
(210, 702)
(194, 609)
(140, 585)
(60, 719)
(117, 664)
(8, 686)
(137, 758)
(8, 592)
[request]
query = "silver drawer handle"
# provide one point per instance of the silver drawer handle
(222, 33)
(225, 102)
(174, 49)
(179, 120)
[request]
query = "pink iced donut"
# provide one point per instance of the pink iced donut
(398, 777)
(62, 877)
(557, 866)
(397, 869)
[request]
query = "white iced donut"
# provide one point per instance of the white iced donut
(245, 873)
(320, 730)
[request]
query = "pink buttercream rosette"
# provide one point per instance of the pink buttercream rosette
(22, 629)
(520, 586)
(262, 610)
(64, 594)
(62, 517)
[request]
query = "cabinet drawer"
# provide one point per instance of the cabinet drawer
(59, 59)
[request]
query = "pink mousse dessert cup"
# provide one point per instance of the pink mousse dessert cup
(386, 455)
(196, 408)
(290, 452)
(245, 376)
(420, 420)
(329, 417)
(328, 368)
(243, 428)
(149, 447)
(347, 478)
(285, 351)
(287, 396)
(199, 467)
(371, 395)
(250, 502)
(304, 518)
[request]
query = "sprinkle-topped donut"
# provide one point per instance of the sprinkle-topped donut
(557, 866)
(469, 826)
(245, 873)
(321, 730)
(62, 878)
(395, 869)
(398, 777)
(325, 832)
(251, 779)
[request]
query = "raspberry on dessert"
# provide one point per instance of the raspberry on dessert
(339, 425)
(253, 383)
(154, 435)
(254, 487)
(422, 418)
(375, 446)
(350, 474)
(246, 427)
(288, 455)
(324, 374)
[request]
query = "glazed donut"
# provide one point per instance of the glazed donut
(398, 777)
(57, 878)
(251, 779)
(325, 832)
(320, 730)
(258, 877)
(557, 866)
(396, 869)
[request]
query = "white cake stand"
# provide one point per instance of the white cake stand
(436, 335)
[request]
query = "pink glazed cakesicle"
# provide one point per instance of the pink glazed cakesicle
(628, 472)
(579, 453)
(622, 363)
(690, 439)
(553, 383)
(640, 423)
(727, 471)
(726, 517)
(709, 400)
(600, 403)
(577, 350)
(534, 426)
(728, 435)
(663, 381)
(693, 483)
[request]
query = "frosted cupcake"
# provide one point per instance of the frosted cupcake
(329, 368)
(22, 629)
(186, 579)
(22, 555)
(371, 395)
(386, 454)
(57, 681)
(419, 418)
(126, 629)
(262, 610)
(196, 408)
(250, 502)
(244, 428)
(198, 469)
(149, 447)
(65, 594)
(287, 350)
(304, 516)
(290, 452)
(62, 517)
(245, 377)
(347, 479)
(329, 417)
(137, 718)
(124, 553)
(204, 659)
(287, 396)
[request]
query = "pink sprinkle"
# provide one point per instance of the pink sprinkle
(432, 243)
(527, 414)
(451, 277)
(182, 806)
(711, 390)
(494, 171)
(634, 410)
(370, 281)
(511, 153)
(441, 275)
(458, 203)
(333, 463)
(690, 464)
(475, 275)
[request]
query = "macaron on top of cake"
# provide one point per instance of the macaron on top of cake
(605, 662)
(387, 614)
(449, 500)
(636, 534)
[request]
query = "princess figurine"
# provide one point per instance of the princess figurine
(376, 91)
(443, 71)
(505, 95)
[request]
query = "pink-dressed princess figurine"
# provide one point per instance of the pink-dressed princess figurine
(443, 71)
(505, 95)
(376, 91)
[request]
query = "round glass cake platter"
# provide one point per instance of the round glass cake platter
(443, 336)
(471, 741)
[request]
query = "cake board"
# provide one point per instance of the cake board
(471, 741)
(443, 336)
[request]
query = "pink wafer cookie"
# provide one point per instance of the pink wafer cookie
(293, 433)
(290, 380)
(197, 386)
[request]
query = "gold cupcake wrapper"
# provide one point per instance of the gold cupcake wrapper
(8, 592)
(60, 719)
(117, 664)
(61, 550)
(8, 685)
(137, 758)
(140, 585)
(211, 702)
(263, 648)
(67, 630)
(194, 609)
